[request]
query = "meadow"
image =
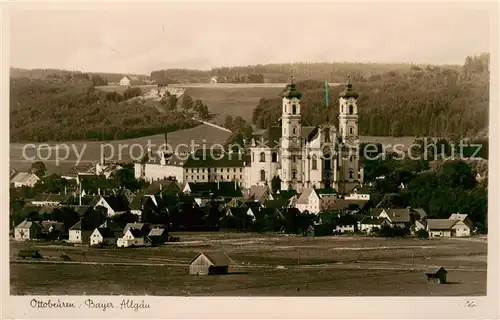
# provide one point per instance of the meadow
(261, 265)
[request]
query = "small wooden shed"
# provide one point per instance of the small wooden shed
(209, 263)
(436, 275)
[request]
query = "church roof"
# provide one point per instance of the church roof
(291, 92)
(349, 92)
(271, 138)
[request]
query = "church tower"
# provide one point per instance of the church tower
(291, 144)
(349, 139)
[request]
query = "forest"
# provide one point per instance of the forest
(74, 110)
(431, 101)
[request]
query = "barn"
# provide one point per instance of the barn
(436, 275)
(209, 263)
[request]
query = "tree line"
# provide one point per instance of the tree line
(431, 101)
(45, 111)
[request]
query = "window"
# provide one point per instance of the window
(294, 131)
(241, 170)
(350, 173)
(203, 177)
(262, 175)
(262, 157)
(197, 177)
(350, 158)
(351, 108)
(227, 177)
(342, 109)
(192, 170)
(197, 170)
(252, 157)
(314, 163)
(350, 130)
(227, 169)
(192, 177)
(294, 174)
(187, 170)
(294, 159)
(241, 177)
(202, 170)
(327, 134)
(294, 109)
(234, 169)
(234, 177)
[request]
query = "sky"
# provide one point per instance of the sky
(140, 38)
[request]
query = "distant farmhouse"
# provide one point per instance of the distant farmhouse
(129, 80)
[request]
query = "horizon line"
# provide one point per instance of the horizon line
(258, 64)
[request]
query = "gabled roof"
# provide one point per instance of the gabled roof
(284, 194)
(138, 233)
(56, 226)
(398, 215)
(434, 270)
(25, 224)
(258, 192)
(138, 201)
(304, 197)
(43, 197)
(156, 232)
(77, 226)
(22, 177)
(218, 259)
(372, 220)
(117, 203)
(219, 189)
(107, 233)
(440, 224)
(458, 216)
(135, 225)
(162, 186)
(113, 226)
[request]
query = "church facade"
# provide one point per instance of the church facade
(309, 157)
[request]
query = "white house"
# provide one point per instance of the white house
(75, 233)
(359, 193)
(397, 217)
(103, 235)
(24, 179)
(125, 81)
(133, 237)
(368, 224)
(463, 226)
(213, 80)
(440, 227)
(309, 201)
(113, 205)
(27, 230)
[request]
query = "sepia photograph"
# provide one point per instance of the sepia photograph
(248, 149)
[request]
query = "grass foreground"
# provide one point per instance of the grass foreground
(262, 265)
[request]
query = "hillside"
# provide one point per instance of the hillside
(46, 111)
(434, 101)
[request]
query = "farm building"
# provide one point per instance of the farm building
(133, 237)
(105, 236)
(24, 179)
(77, 234)
(209, 263)
(436, 275)
(125, 81)
(27, 230)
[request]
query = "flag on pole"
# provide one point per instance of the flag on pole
(326, 94)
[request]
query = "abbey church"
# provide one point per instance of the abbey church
(319, 157)
(309, 157)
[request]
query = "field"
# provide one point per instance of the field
(262, 265)
(90, 151)
(121, 89)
